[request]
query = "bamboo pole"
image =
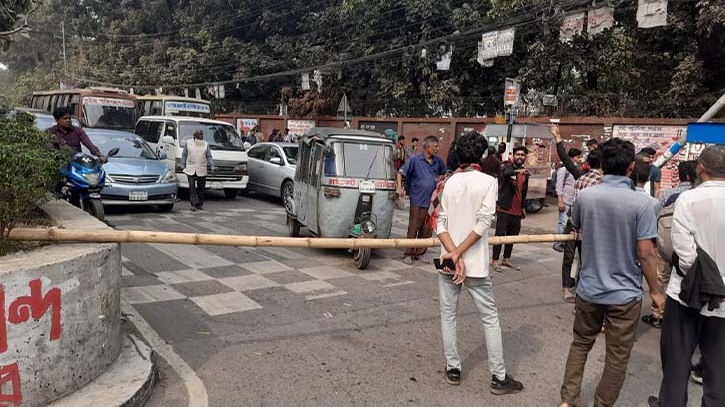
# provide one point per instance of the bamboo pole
(135, 236)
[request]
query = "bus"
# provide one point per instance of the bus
(164, 105)
(103, 108)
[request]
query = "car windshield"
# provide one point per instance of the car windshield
(128, 147)
(219, 136)
(361, 160)
(109, 113)
(291, 153)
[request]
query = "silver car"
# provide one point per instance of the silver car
(272, 169)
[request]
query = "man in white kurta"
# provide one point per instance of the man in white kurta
(194, 161)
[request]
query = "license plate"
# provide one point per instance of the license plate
(215, 185)
(367, 187)
(138, 196)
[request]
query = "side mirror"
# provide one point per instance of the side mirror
(167, 139)
(276, 160)
(162, 155)
(114, 151)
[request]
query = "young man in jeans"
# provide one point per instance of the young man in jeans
(464, 206)
(617, 226)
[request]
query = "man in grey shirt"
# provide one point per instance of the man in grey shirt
(617, 226)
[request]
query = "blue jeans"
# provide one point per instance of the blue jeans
(481, 292)
(563, 216)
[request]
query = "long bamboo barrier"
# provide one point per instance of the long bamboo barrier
(136, 236)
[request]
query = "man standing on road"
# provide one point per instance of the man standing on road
(610, 282)
(698, 225)
(514, 184)
(68, 135)
(400, 157)
(491, 165)
(687, 171)
(647, 155)
(565, 193)
(410, 150)
(421, 173)
(194, 161)
(464, 208)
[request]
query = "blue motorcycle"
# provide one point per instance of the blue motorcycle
(83, 181)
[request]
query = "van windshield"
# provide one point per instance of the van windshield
(219, 136)
(109, 113)
(360, 160)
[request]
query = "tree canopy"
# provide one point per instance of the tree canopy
(381, 53)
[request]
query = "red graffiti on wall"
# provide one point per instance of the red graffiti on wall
(10, 380)
(36, 304)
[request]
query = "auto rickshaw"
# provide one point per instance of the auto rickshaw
(344, 186)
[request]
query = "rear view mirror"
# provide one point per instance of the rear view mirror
(276, 160)
(113, 152)
(163, 155)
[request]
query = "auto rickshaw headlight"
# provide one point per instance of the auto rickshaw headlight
(368, 227)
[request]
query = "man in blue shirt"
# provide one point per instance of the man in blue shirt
(422, 173)
(617, 225)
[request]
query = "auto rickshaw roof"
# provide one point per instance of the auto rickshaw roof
(326, 133)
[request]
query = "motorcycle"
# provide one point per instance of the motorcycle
(83, 180)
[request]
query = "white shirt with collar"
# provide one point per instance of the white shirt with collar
(699, 219)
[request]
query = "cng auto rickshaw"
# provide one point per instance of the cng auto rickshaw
(344, 186)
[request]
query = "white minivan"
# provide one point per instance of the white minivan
(169, 134)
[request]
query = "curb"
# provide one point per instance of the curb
(128, 381)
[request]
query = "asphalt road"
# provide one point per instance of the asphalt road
(297, 327)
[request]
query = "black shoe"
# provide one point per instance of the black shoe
(559, 247)
(653, 401)
(652, 321)
(509, 385)
(453, 377)
(193, 209)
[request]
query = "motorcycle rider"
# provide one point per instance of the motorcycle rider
(68, 135)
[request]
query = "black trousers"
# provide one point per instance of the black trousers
(506, 225)
(197, 185)
(683, 329)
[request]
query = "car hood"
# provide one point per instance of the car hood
(134, 166)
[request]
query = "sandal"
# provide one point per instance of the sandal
(652, 321)
(497, 268)
(512, 266)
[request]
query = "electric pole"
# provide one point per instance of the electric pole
(65, 62)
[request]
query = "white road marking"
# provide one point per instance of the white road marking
(194, 386)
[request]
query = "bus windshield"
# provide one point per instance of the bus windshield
(219, 136)
(109, 113)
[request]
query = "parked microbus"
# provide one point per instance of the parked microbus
(104, 108)
(165, 105)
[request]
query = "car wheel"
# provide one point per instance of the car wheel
(288, 197)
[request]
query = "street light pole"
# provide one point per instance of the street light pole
(65, 62)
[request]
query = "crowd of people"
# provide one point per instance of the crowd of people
(623, 221)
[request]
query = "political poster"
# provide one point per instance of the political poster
(297, 128)
(244, 125)
(571, 26)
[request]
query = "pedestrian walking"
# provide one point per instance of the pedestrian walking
(687, 172)
(695, 313)
(574, 248)
(422, 172)
(513, 186)
(464, 207)
(410, 150)
(491, 164)
(287, 138)
(254, 135)
(501, 151)
(609, 290)
(400, 153)
(648, 155)
(195, 159)
(565, 194)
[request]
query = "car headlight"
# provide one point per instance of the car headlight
(92, 178)
(168, 177)
(241, 168)
(368, 227)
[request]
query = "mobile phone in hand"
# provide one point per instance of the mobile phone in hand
(446, 263)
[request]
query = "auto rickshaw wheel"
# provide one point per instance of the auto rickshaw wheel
(362, 257)
(293, 226)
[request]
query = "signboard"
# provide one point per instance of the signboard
(660, 138)
(505, 42)
(379, 127)
(572, 25)
(176, 107)
(487, 47)
(297, 128)
(244, 125)
(102, 101)
(599, 20)
(511, 92)
(651, 13)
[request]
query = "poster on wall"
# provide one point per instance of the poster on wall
(244, 125)
(297, 128)
(660, 138)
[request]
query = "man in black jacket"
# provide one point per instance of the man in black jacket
(512, 187)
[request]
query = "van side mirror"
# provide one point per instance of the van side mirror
(162, 155)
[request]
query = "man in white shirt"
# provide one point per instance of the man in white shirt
(195, 159)
(698, 221)
(465, 208)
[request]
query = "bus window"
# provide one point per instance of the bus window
(109, 113)
(74, 99)
(53, 102)
(156, 108)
